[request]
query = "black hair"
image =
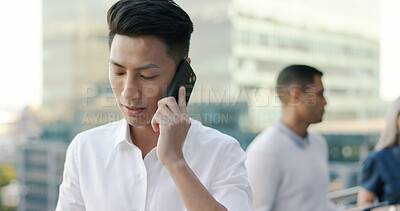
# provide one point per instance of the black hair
(297, 75)
(163, 19)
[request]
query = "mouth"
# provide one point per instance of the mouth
(133, 110)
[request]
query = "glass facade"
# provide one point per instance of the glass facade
(40, 169)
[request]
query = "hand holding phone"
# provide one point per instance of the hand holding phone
(173, 116)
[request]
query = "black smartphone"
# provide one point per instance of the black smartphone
(184, 76)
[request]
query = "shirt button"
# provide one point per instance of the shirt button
(141, 177)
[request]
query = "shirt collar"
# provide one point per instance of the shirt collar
(300, 141)
(122, 133)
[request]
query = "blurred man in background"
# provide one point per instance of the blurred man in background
(287, 164)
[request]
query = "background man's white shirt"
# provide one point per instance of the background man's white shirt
(288, 172)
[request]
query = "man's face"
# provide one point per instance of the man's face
(139, 73)
(312, 108)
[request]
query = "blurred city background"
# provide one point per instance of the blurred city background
(60, 88)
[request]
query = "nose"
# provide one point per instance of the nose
(131, 90)
(325, 102)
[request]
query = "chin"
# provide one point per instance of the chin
(316, 121)
(137, 121)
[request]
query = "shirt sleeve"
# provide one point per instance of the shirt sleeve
(264, 177)
(230, 186)
(70, 197)
(370, 177)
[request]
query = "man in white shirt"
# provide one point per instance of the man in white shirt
(287, 165)
(156, 158)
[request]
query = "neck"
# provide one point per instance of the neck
(144, 138)
(294, 123)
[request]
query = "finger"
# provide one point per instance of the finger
(170, 102)
(165, 116)
(169, 117)
(157, 120)
(154, 123)
(182, 96)
(182, 100)
(165, 111)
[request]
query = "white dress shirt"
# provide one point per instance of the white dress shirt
(288, 172)
(105, 171)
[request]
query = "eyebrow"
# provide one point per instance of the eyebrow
(147, 66)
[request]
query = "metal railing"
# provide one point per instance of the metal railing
(344, 195)
(350, 194)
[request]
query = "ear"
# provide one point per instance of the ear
(188, 60)
(295, 96)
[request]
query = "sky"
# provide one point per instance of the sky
(21, 54)
(390, 45)
(21, 63)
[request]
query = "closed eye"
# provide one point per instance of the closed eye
(119, 73)
(148, 77)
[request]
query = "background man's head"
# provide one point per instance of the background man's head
(163, 19)
(300, 87)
